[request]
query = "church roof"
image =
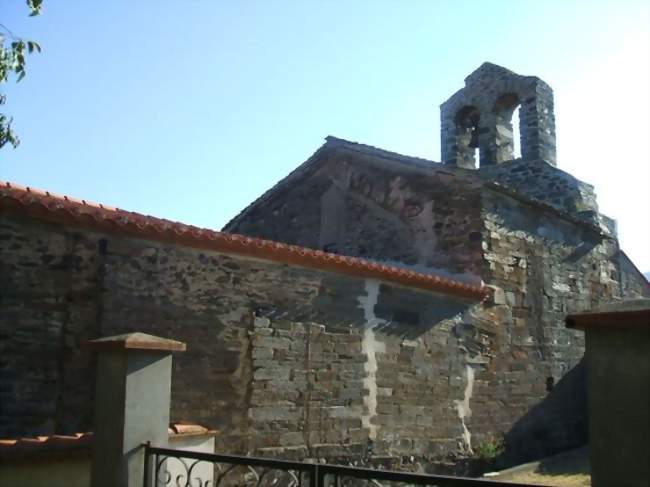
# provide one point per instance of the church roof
(47, 206)
(408, 163)
(484, 177)
(378, 152)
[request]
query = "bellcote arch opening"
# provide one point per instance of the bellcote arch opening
(507, 128)
(467, 136)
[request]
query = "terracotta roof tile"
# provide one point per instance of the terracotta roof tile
(137, 340)
(20, 447)
(51, 207)
(44, 444)
(187, 429)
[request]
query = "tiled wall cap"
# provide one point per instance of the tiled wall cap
(26, 447)
(186, 429)
(633, 312)
(95, 216)
(137, 341)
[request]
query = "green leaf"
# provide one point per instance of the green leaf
(35, 6)
(33, 46)
(20, 76)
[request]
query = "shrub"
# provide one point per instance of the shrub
(490, 448)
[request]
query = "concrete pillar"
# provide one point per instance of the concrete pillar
(617, 356)
(132, 398)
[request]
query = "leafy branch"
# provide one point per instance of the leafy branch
(12, 63)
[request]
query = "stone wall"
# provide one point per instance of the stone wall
(51, 301)
(547, 184)
(390, 384)
(546, 268)
(290, 215)
(633, 282)
(281, 360)
(296, 362)
(542, 264)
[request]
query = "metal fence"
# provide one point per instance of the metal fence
(178, 468)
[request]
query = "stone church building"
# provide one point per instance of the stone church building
(368, 305)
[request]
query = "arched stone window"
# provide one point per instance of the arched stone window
(467, 131)
(504, 109)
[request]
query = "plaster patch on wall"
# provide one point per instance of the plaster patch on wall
(234, 316)
(370, 345)
(463, 409)
(425, 238)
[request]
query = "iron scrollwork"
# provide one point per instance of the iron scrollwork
(184, 469)
(165, 467)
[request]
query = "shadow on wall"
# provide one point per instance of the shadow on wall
(581, 250)
(407, 322)
(556, 424)
(396, 311)
(411, 324)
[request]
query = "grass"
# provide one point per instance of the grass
(555, 480)
(568, 469)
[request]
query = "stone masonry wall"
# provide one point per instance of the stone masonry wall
(284, 361)
(633, 282)
(307, 388)
(541, 265)
(545, 268)
(547, 184)
(390, 384)
(301, 363)
(287, 359)
(291, 216)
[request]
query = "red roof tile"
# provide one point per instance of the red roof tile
(186, 429)
(44, 444)
(20, 447)
(51, 207)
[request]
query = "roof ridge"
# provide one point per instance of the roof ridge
(42, 192)
(378, 151)
(63, 209)
(334, 142)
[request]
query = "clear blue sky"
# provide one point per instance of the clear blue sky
(190, 109)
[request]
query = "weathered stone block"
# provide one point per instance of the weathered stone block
(275, 413)
(344, 412)
(291, 439)
(272, 373)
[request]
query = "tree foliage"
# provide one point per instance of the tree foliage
(13, 50)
